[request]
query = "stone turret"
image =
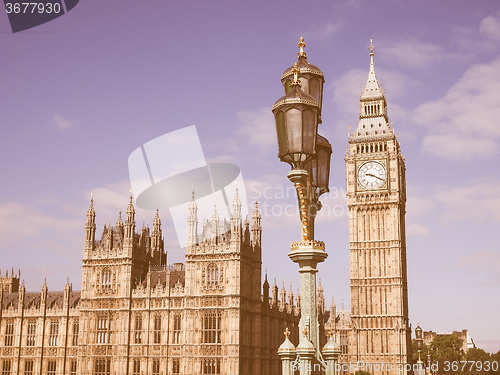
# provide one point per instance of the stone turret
(283, 298)
(246, 232)
(192, 223)
(90, 227)
(10, 282)
(236, 219)
(265, 292)
(320, 299)
(256, 227)
(22, 294)
(130, 223)
(274, 294)
(156, 238)
(119, 225)
(214, 227)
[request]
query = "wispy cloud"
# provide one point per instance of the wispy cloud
(484, 265)
(475, 202)
(459, 147)
(61, 123)
(417, 230)
(257, 128)
(22, 222)
(474, 41)
(322, 30)
(463, 124)
(490, 27)
(40, 242)
(412, 53)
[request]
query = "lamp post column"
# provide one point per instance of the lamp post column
(297, 115)
(420, 344)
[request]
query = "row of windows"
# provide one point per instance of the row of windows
(31, 334)
(157, 329)
(156, 367)
(372, 109)
(211, 328)
(211, 276)
(102, 366)
(211, 366)
(372, 147)
(29, 367)
(104, 328)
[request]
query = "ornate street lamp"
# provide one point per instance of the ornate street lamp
(420, 341)
(310, 76)
(318, 170)
(297, 115)
(420, 345)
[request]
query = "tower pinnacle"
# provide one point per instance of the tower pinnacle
(372, 88)
(373, 119)
(192, 230)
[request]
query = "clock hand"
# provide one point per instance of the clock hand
(372, 175)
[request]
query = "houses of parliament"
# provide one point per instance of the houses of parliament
(137, 315)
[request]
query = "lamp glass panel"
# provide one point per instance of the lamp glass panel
(281, 132)
(309, 124)
(293, 121)
(324, 167)
(315, 89)
(304, 84)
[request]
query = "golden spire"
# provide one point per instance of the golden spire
(295, 71)
(286, 333)
(301, 44)
(372, 47)
(330, 333)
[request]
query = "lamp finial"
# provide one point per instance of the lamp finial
(302, 45)
(287, 332)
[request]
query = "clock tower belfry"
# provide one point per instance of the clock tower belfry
(376, 199)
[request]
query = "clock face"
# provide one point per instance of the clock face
(372, 175)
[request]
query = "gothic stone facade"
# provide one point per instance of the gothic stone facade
(136, 315)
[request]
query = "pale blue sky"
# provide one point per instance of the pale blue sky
(80, 93)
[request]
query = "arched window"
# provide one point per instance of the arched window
(107, 278)
(211, 366)
(103, 330)
(212, 276)
(211, 330)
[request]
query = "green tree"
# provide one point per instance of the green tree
(496, 358)
(446, 347)
(480, 357)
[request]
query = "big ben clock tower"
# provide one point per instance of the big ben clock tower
(376, 198)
